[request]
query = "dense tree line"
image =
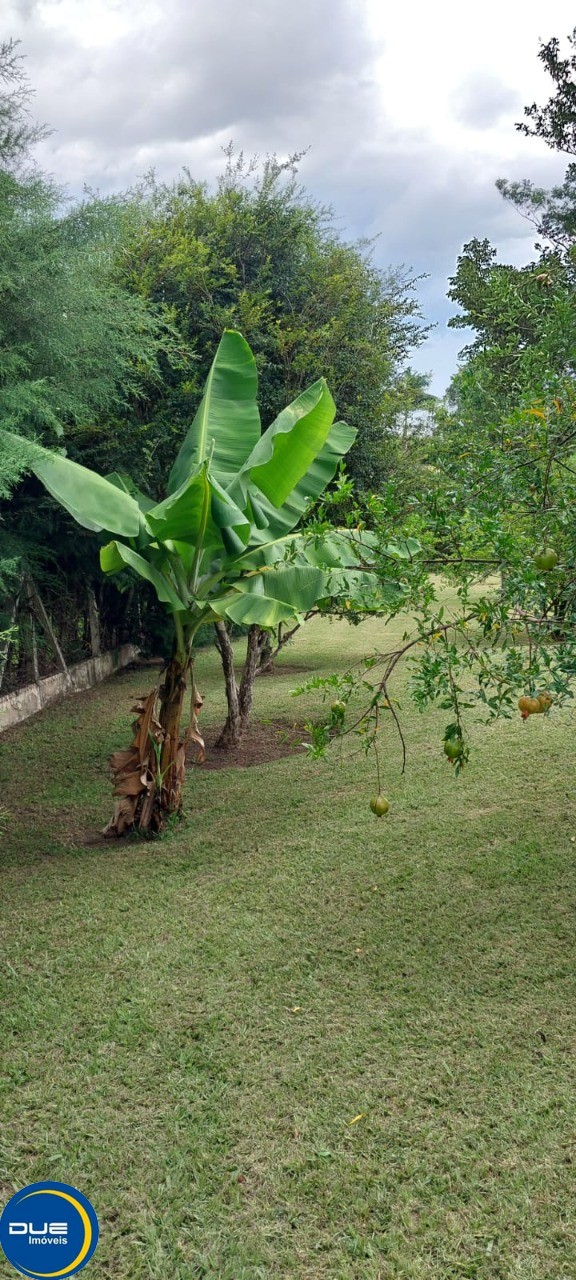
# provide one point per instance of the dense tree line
(74, 346)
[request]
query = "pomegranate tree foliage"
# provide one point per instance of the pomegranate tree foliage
(500, 527)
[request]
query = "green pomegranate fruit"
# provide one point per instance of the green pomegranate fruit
(338, 708)
(546, 559)
(379, 805)
(453, 748)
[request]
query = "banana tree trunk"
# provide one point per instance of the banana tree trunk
(149, 775)
(172, 764)
(239, 697)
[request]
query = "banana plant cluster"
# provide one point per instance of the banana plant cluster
(221, 544)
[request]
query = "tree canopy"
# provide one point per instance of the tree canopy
(555, 122)
(258, 254)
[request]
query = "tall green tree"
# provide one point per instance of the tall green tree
(258, 254)
(75, 347)
(524, 326)
(555, 122)
(73, 344)
(523, 318)
(410, 406)
(501, 523)
(18, 131)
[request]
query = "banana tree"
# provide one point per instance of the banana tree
(219, 546)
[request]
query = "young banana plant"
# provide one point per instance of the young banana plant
(221, 545)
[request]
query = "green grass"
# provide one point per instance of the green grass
(190, 1027)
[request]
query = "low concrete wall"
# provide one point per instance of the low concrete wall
(15, 707)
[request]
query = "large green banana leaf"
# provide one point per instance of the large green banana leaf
(279, 521)
(115, 556)
(203, 515)
(127, 484)
(277, 595)
(342, 557)
(227, 424)
(287, 450)
(95, 503)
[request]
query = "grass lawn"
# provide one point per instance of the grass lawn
(290, 1040)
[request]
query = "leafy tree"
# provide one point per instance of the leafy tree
(500, 526)
(552, 213)
(505, 537)
(524, 318)
(75, 347)
(525, 330)
(18, 132)
(72, 344)
(409, 407)
(257, 254)
(556, 121)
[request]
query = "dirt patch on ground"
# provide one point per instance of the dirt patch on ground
(263, 741)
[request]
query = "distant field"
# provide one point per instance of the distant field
(289, 1040)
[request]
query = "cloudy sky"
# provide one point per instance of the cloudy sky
(407, 109)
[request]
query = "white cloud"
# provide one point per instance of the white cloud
(483, 100)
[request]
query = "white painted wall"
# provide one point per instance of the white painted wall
(15, 707)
